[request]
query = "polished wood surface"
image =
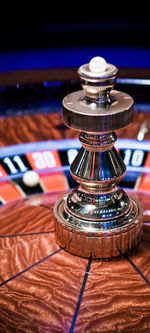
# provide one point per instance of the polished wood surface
(45, 289)
(32, 128)
(40, 127)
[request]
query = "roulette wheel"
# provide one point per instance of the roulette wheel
(43, 288)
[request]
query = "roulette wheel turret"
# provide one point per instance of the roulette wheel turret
(98, 219)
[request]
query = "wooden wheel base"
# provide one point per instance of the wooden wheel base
(101, 244)
(46, 289)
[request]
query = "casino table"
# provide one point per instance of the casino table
(42, 287)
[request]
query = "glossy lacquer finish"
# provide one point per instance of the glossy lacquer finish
(46, 289)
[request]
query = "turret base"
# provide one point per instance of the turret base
(98, 239)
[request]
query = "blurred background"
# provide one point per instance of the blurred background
(74, 32)
(52, 40)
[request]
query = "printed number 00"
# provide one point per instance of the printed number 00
(44, 160)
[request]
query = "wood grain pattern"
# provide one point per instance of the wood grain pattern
(40, 127)
(25, 218)
(32, 128)
(45, 289)
(132, 130)
(20, 252)
(116, 299)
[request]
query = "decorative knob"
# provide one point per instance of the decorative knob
(97, 108)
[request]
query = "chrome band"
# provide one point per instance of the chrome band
(92, 117)
(97, 142)
(97, 207)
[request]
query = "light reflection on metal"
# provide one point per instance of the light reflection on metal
(143, 131)
(97, 219)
